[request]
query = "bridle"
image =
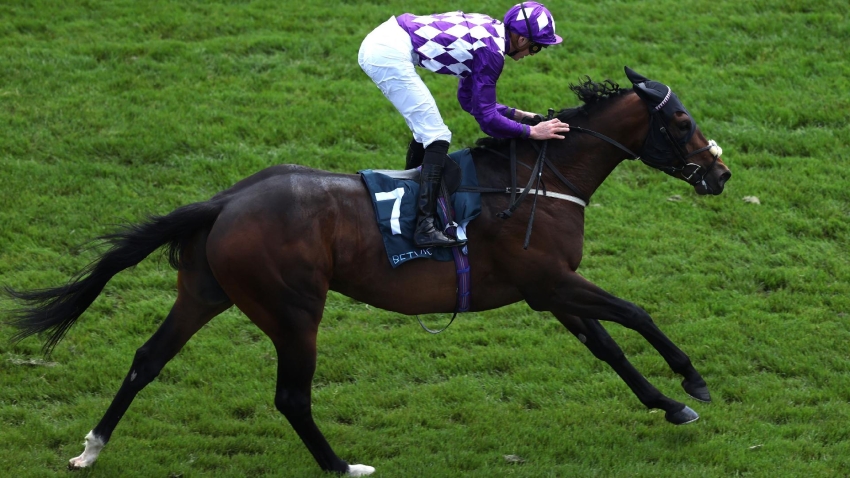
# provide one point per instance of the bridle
(691, 172)
(661, 150)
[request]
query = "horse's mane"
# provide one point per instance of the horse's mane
(591, 94)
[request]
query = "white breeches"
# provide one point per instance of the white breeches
(387, 56)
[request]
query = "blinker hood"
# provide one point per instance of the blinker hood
(662, 104)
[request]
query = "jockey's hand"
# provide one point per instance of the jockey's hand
(549, 130)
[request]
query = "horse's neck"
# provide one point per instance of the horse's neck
(586, 160)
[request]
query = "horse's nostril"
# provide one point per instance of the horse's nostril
(725, 177)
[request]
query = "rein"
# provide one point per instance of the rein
(541, 162)
(537, 173)
(606, 139)
(691, 177)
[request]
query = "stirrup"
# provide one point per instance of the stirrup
(458, 241)
(432, 237)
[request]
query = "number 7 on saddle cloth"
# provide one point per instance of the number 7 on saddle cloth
(394, 201)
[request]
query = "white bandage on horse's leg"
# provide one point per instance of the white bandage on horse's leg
(360, 470)
(93, 447)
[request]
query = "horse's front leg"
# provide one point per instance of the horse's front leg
(575, 295)
(591, 333)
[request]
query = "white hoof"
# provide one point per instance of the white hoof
(360, 470)
(93, 447)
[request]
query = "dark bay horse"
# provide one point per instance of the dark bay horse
(277, 241)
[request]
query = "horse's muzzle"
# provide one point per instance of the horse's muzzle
(714, 182)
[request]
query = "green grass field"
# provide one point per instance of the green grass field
(114, 110)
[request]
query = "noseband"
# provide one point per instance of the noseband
(698, 173)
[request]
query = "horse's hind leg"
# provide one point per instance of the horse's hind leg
(179, 326)
(199, 299)
(293, 331)
(591, 333)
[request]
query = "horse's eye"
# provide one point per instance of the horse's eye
(685, 125)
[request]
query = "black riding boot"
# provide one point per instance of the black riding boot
(415, 154)
(427, 234)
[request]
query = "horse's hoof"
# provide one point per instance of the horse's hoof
(682, 417)
(77, 463)
(360, 470)
(93, 447)
(697, 391)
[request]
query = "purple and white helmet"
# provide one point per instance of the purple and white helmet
(532, 16)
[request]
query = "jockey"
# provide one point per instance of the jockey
(472, 47)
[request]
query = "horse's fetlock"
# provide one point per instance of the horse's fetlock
(687, 370)
(655, 400)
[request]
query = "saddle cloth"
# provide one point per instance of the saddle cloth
(394, 195)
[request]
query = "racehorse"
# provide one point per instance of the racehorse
(277, 241)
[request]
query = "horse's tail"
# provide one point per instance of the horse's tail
(56, 310)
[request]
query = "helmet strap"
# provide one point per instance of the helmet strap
(528, 27)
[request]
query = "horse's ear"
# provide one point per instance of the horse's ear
(634, 77)
(650, 91)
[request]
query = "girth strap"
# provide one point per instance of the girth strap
(464, 281)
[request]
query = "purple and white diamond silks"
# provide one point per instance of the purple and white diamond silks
(448, 43)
